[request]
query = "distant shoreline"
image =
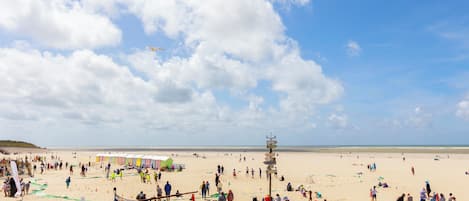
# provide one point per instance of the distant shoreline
(318, 149)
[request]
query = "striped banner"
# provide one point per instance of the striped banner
(14, 174)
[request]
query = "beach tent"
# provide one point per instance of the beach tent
(147, 161)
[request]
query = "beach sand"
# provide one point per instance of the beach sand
(336, 177)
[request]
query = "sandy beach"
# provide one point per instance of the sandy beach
(337, 176)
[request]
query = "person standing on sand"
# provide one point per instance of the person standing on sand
(442, 197)
(67, 182)
(155, 176)
(207, 185)
(373, 193)
(203, 190)
(252, 173)
(217, 179)
(159, 191)
(451, 197)
(401, 198)
(423, 195)
(427, 186)
(230, 196)
(409, 197)
(167, 188)
(221, 197)
(260, 173)
(412, 170)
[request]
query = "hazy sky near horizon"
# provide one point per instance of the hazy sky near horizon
(315, 72)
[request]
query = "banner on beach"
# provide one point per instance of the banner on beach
(14, 174)
(120, 198)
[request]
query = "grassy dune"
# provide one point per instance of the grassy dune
(10, 143)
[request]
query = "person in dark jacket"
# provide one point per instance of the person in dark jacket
(401, 198)
(167, 188)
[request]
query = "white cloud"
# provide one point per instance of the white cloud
(463, 109)
(292, 2)
(231, 46)
(254, 47)
(338, 121)
(353, 48)
(58, 24)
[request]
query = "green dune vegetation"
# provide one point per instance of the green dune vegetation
(15, 144)
(11, 143)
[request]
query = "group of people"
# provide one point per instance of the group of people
(10, 190)
(253, 172)
(159, 192)
(425, 195)
(372, 167)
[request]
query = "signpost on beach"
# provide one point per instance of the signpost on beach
(270, 160)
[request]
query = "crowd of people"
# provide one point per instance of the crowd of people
(426, 194)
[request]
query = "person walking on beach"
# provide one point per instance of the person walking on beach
(207, 186)
(67, 182)
(412, 170)
(373, 193)
(252, 173)
(167, 188)
(260, 173)
(159, 175)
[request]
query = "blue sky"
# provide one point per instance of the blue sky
(311, 72)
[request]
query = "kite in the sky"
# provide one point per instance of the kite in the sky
(155, 49)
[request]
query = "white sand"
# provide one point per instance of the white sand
(336, 178)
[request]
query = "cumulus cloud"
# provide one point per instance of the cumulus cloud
(58, 24)
(463, 109)
(353, 48)
(254, 47)
(231, 46)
